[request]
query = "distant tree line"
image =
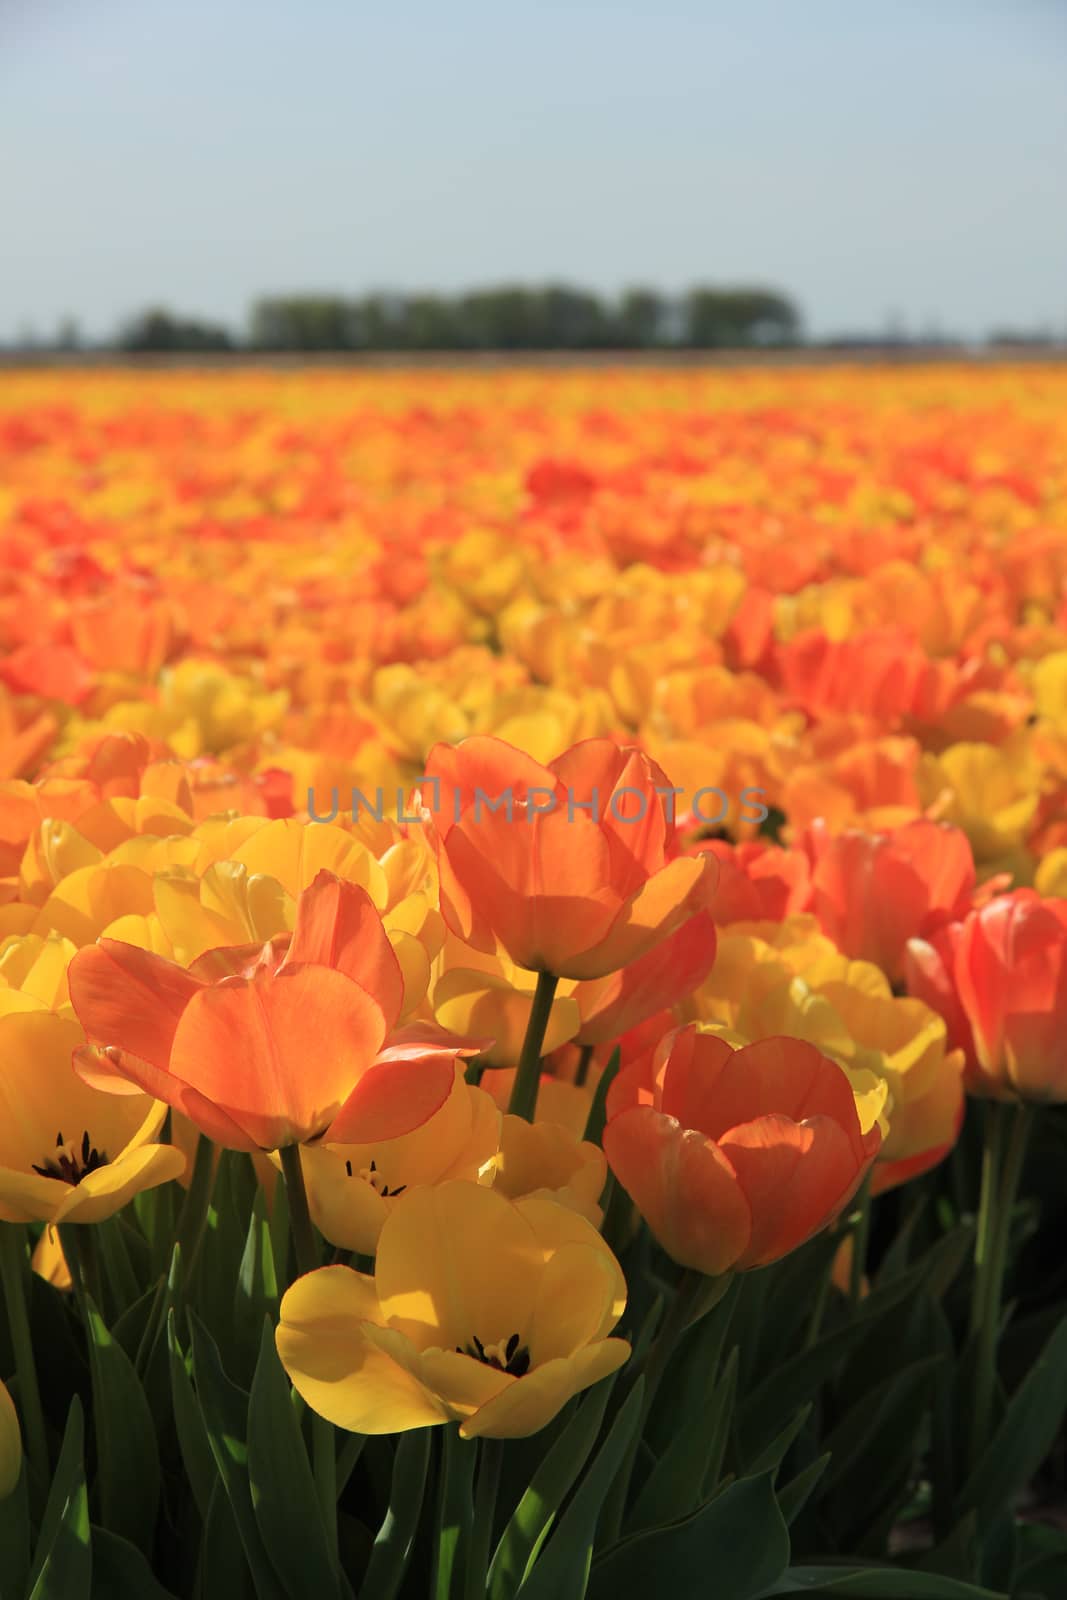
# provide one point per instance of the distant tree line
(510, 317)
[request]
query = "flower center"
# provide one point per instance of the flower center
(507, 1356)
(372, 1176)
(72, 1167)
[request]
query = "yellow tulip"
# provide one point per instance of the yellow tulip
(483, 1311)
(68, 1153)
(545, 1158)
(351, 1189)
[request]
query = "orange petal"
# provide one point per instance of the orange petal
(128, 997)
(795, 1177)
(392, 1098)
(279, 1054)
(682, 1185)
(337, 925)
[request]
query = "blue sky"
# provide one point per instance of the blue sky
(877, 160)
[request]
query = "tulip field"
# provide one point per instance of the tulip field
(533, 983)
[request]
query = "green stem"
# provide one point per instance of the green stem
(79, 1247)
(523, 1101)
(860, 1238)
(306, 1250)
(13, 1271)
(994, 1264)
(455, 1516)
(324, 1455)
(584, 1060)
(491, 1460)
(303, 1234)
(992, 1139)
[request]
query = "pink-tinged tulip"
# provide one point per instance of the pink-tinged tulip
(872, 892)
(262, 1049)
(736, 1156)
(999, 978)
(758, 882)
(576, 871)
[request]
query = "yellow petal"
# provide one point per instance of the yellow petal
(348, 1379)
(532, 1402)
(455, 1263)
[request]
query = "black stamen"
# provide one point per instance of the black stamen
(348, 1168)
(516, 1361)
(73, 1167)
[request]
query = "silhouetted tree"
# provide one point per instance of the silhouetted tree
(642, 320)
(159, 330)
(720, 319)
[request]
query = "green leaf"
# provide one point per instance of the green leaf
(732, 1548)
(284, 1500)
(224, 1408)
(1025, 1434)
(392, 1548)
(193, 1441)
(532, 1518)
(121, 1572)
(794, 1382)
(772, 1455)
(561, 1570)
(860, 1430)
(127, 1453)
(256, 1294)
(132, 1325)
(15, 1540)
(876, 1583)
(794, 1496)
(222, 1569)
(674, 1486)
(63, 1562)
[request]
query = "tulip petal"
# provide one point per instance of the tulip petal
(795, 1176)
(680, 890)
(683, 1186)
(129, 997)
(438, 1290)
(279, 1053)
(332, 1364)
(528, 1405)
(103, 1192)
(338, 926)
(391, 1099)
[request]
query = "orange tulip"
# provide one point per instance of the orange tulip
(736, 1156)
(873, 892)
(264, 1048)
(999, 979)
(575, 872)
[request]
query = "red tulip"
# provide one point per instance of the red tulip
(736, 1157)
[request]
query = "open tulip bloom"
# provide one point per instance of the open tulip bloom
(282, 1049)
(483, 1311)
